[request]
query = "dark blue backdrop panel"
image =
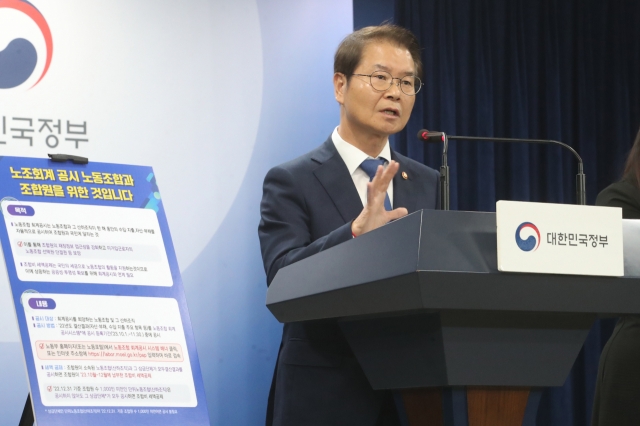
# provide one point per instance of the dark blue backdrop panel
(563, 69)
(372, 12)
(556, 69)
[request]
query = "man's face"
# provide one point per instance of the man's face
(373, 113)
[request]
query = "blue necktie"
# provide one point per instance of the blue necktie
(370, 166)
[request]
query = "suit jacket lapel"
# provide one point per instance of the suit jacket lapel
(336, 180)
(404, 190)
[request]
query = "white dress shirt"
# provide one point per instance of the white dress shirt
(353, 157)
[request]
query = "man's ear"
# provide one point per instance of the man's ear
(339, 86)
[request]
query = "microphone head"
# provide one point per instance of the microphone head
(427, 136)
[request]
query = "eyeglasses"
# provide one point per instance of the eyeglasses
(381, 81)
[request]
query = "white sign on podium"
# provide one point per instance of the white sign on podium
(559, 239)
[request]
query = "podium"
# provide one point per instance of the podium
(423, 305)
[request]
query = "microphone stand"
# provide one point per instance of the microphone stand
(444, 175)
(581, 197)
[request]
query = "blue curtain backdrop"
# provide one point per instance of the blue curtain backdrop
(567, 70)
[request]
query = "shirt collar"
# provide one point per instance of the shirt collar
(353, 156)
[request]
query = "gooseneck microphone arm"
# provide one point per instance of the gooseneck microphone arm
(427, 136)
(444, 175)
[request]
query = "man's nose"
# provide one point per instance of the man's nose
(394, 90)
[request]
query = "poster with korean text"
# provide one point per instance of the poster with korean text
(98, 295)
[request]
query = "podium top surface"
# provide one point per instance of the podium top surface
(436, 260)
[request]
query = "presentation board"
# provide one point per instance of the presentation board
(98, 295)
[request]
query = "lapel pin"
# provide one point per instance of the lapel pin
(405, 176)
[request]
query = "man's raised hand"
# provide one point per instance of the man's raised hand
(374, 214)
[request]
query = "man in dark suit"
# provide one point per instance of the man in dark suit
(337, 192)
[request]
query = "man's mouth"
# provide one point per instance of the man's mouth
(390, 112)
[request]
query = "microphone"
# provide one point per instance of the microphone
(428, 136)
